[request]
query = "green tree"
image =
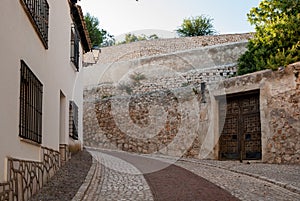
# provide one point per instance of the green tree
(129, 38)
(196, 26)
(276, 40)
(99, 37)
(153, 37)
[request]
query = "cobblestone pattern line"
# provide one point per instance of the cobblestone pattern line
(117, 180)
(84, 188)
(242, 186)
(287, 176)
(94, 184)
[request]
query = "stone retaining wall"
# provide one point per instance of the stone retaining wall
(155, 122)
(283, 117)
(184, 120)
(215, 61)
(158, 82)
(140, 49)
(171, 87)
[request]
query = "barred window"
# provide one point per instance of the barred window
(31, 97)
(38, 13)
(73, 120)
(75, 47)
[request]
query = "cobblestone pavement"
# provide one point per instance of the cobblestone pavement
(169, 182)
(116, 179)
(287, 176)
(67, 181)
(243, 186)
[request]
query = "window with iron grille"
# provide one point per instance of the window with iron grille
(75, 47)
(38, 13)
(73, 120)
(31, 99)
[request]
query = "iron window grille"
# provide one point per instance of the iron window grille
(38, 13)
(73, 120)
(31, 99)
(75, 39)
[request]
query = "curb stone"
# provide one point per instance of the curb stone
(87, 182)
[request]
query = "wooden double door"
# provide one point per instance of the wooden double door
(240, 127)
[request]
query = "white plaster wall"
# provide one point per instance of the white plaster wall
(52, 67)
(66, 78)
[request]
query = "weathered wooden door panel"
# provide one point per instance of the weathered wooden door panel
(252, 137)
(229, 142)
(241, 134)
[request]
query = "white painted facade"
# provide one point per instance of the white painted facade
(54, 69)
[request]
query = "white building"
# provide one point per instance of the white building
(42, 46)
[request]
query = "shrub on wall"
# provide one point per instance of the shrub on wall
(196, 26)
(276, 41)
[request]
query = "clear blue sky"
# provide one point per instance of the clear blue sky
(123, 16)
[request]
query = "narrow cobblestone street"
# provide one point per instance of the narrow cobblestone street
(124, 176)
(116, 179)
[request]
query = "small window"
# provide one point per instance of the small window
(73, 120)
(38, 13)
(31, 99)
(75, 47)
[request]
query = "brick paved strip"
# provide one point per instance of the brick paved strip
(176, 183)
(169, 182)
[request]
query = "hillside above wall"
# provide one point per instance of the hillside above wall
(140, 49)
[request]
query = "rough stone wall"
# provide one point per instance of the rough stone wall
(25, 178)
(283, 145)
(219, 60)
(155, 122)
(115, 122)
(179, 95)
(158, 82)
(140, 49)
